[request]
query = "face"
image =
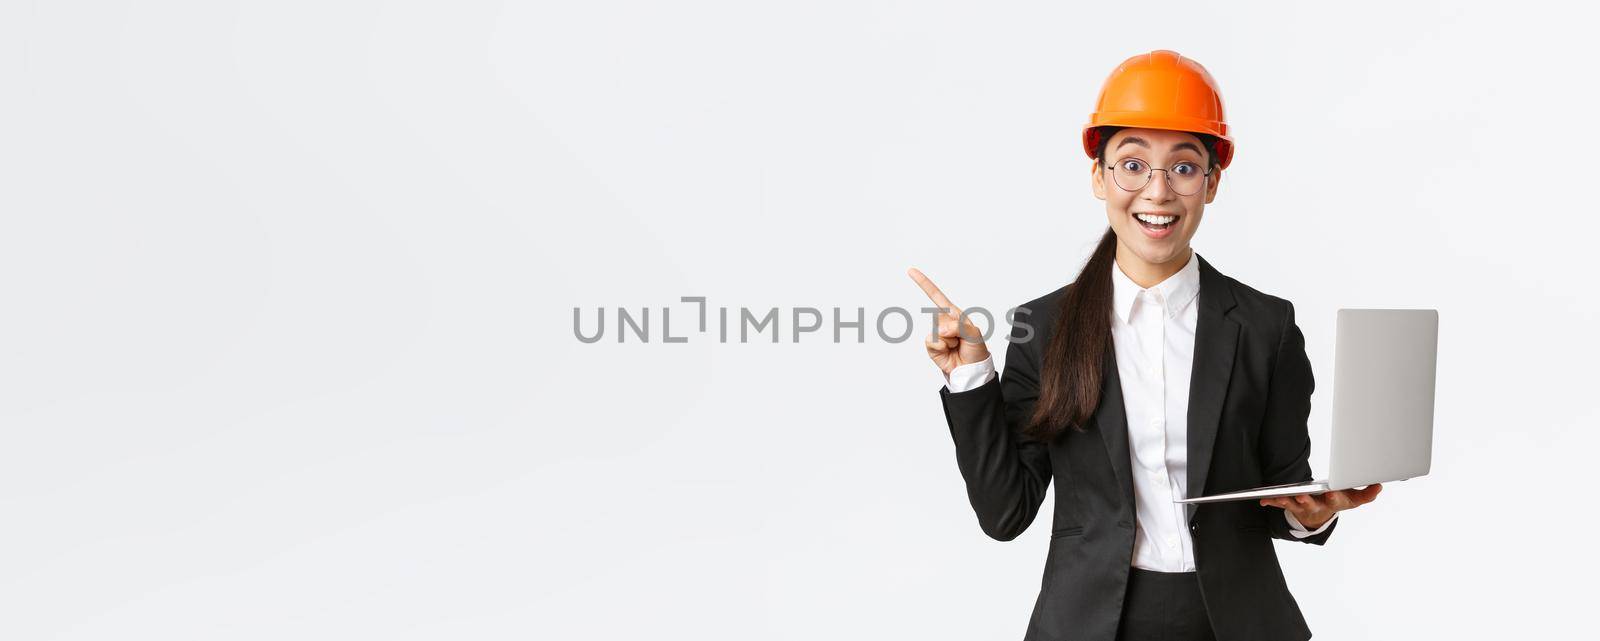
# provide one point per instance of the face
(1136, 151)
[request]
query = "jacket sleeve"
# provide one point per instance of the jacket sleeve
(1006, 475)
(1285, 445)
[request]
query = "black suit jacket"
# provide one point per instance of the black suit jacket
(1250, 393)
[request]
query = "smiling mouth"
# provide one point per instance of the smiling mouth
(1155, 222)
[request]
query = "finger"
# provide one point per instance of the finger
(959, 332)
(932, 291)
(1346, 499)
(1338, 500)
(1364, 495)
(945, 331)
(1293, 503)
(969, 331)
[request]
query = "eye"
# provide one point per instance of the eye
(1186, 169)
(1132, 165)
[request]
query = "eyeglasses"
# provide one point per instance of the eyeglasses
(1185, 178)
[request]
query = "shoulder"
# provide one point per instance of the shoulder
(1254, 302)
(1033, 322)
(1043, 307)
(1261, 313)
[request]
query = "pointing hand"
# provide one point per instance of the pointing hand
(956, 341)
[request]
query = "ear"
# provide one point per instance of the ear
(1098, 179)
(1211, 186)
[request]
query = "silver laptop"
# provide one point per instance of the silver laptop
(1383, 378)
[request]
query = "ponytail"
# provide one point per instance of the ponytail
(1079, 344)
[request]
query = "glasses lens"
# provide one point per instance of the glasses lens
(1131, 173)
(1186, 178)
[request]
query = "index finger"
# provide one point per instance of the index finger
(932, 291)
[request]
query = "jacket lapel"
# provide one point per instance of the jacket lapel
(1215, 342)
(1111, 420)
(1215, 339)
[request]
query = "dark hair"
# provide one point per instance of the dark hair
(1069, 385)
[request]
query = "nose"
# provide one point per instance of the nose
(1159, 189)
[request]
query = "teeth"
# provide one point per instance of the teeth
(1155, 220)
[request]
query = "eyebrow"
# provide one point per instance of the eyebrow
(1142, 143)
(1134, 140)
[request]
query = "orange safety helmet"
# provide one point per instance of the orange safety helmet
(1160, 90)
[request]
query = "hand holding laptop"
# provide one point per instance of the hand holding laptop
(1312, 510)
(1385, 365)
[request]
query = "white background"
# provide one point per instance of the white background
(289, 290)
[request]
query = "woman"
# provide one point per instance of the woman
(1150, 377)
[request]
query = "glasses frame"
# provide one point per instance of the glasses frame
(1150, 174)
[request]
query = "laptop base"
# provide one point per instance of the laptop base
(1314, 487)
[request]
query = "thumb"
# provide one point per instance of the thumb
(970, 332)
